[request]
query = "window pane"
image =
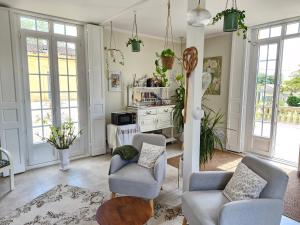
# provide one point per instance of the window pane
(47, 131)
(72, 67)
(43, 48)
(263, 52)
(46, 100)
(63, 83)
(71, 30)
(45, 83)
(37, 134)
(36, 118)
(59, 28)
(272, 51)
(264, 33)
(42, 26)
(65, 115)
(28, 23)
(44, 66)
(61, 49)
(47, 117)
(262, 67)
(32, 48)
(34, 83)
(74, 114)
(33, 65)
(73, 99)
(276, 31)
(71, 50)
(271, 68)
(62, 67)
(64, 99)
(72, 83)
(35, 99)
(292, 28)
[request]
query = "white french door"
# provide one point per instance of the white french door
(55, 84)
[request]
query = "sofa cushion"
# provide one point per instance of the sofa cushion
(134, 180)
(203, 207)
(4, 163)
(244, 184)
(149, 154)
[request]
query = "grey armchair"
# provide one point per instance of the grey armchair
(128, 178)
(204, 203)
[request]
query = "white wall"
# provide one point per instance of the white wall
(139, 63)
(220, 46)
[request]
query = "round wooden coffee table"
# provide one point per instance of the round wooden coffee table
(124, 211)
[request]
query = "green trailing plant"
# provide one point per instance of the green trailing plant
(179, 104)
(293, 101)
(167, 53)
(167, 57)
(240, 16)
(62, 137)
(133, 41)
(209, 135)
(161, 74)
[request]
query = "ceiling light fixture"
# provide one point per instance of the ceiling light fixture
(199, 16)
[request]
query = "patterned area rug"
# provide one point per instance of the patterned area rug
(69, 205)
(292, 197)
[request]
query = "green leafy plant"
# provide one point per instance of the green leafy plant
(240, 14)
(62, 137)
(209, 135)
(167, 53)
(179, 104)
(167, 57)
(161, 74)
(293, 101)
(134, 40)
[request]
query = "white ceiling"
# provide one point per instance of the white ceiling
(152, 13)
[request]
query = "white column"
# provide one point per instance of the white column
(195, 37)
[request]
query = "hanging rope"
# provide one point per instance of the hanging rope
(234, 5)
(169, 27)
(112, 38)
(134, 27)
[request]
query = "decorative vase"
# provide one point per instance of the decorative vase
(135, 46)
(230, 22)
(64, 159)
(167, 62)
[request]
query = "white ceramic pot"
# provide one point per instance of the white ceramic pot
(64, 159)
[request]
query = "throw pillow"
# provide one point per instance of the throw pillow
(244, 184)
(149, 155)
(126, 152)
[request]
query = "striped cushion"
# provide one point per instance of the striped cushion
(4, 163)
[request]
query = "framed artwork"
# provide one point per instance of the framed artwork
(115, 81)
(213, 65)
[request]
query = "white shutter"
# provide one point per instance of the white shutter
(237, 95)
(11, 125)
(96, 89)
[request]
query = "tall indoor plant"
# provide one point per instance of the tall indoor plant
(179, 104)
(62, 137)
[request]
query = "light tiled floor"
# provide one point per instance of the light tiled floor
(90, 173)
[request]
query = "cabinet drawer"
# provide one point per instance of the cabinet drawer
(145, 112)
(164, 121)
(164, 110)
(147, 123)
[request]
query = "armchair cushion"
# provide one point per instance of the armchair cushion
(134, 180)
(149, 154)
(203, 207)
(4, 163)
(244, 184)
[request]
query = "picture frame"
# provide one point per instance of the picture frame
(115, 81)
(213, 65)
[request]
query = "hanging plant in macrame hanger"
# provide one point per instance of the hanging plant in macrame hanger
(134, 41)
(167, 56)
(234, 19)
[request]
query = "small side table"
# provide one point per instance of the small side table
(124, 211)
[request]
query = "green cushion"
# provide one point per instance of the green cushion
(127, 152)
(4, 163)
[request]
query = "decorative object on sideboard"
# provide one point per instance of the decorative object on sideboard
(234, 19)
(115, 81)
(62, 137)
(213, 66)
(199, 16)
(134, 41)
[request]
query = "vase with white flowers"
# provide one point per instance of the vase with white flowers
(62, 137)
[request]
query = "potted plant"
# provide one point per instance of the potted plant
(209, 137)
(167, 57)
(179, 104)
(135, 44)
(62, 138)
(161, 74)
(234, 20)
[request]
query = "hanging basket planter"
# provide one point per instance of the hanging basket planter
(231, 22)
(134, 41)
(167, 57)
(135, 46)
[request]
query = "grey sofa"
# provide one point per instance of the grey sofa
(128, 178)
(204, 203)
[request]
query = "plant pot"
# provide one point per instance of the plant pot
(167, 62)
(64, 159)
(230, 22)
(135, 46)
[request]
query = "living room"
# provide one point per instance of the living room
(107, 115)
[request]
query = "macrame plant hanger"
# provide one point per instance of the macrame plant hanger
(234, 5)
(134, 33)
(169, 27)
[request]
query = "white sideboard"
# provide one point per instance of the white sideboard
(155, 118)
